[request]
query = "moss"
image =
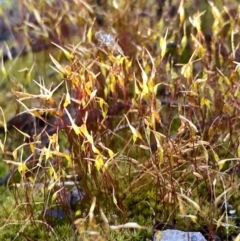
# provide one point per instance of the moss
(145, 161)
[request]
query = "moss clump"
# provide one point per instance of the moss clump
(143, 114)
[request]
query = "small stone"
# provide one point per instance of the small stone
(108, 41)
(172, 234)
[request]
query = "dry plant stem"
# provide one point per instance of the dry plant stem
(22, 126)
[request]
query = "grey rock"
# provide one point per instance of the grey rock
(55, 214)
(172, 234)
